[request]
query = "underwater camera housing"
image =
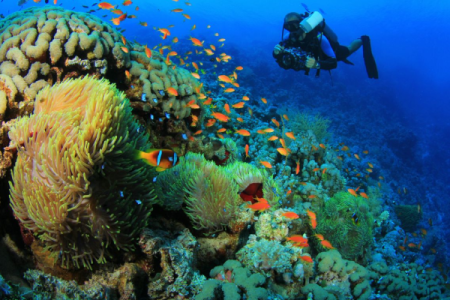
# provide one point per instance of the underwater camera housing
(293, 58)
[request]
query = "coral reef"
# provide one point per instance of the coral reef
(347, 222)
(410, 281)
(282, 265)
(171, 257)
(409, 216)
(76, 184)
(340, 277)
(302, 122)
(211, 192)
(44, 46)
(45, 286)
(232, 281)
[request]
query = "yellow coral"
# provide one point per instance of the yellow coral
(76, 185)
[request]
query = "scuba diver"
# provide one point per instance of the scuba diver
(311, 44)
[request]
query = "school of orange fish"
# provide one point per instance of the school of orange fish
(165, 158)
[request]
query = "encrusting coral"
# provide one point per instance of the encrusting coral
(233, 281)
(339, 277)
(76, 184)
(44, 46)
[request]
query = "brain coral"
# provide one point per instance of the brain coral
(76, 185)
(41, 46)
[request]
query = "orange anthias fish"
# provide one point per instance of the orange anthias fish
(247, 147)
(353, 192)
(116, 21)
(313, 218)
(266, 164)
(326, 244)
(319, 237)
(127, 2)
(282, 151)
(299, 241)
(261, 205)
(227, 108)
(220, 117)
(276, 122)
(297, 170)
(264, 100)
(238, 105)
(225, 78)
(162, 159)
(364, 195)
(148, 52)
(290, 135)
(196, 42)
(229, 90)
(172, 92)
(306, 258)
(210, 122)
(243, 132)
(105, 5)
(291, 215)
(117, 12)
(177, 10)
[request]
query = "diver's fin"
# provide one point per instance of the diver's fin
(371, 66)
(348, 62)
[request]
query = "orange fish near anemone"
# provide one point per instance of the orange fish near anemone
(261, 205)
(162, 159)
(299, 241)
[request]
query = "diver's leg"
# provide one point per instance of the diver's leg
(355, 45)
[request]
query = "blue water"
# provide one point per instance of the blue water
(410, 42)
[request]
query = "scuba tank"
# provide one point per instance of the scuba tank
(311, 21)
(315, 19)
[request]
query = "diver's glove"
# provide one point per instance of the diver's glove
(311, 63)
(278, 50)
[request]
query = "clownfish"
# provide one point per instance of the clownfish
(161, 159)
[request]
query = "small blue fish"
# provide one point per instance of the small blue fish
(184, 136)
(144, 97)
(121, 194)
(151, 117)
(138, 202)
(103, 166)
(132, 86)
(224, 210)
(137, 129)
(158, 161)
(160, 119)
(167, 115)
(175, 158)
(161, 92)
(154, 179)
(155, 100)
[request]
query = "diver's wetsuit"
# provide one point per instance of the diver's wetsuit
(327, 54)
